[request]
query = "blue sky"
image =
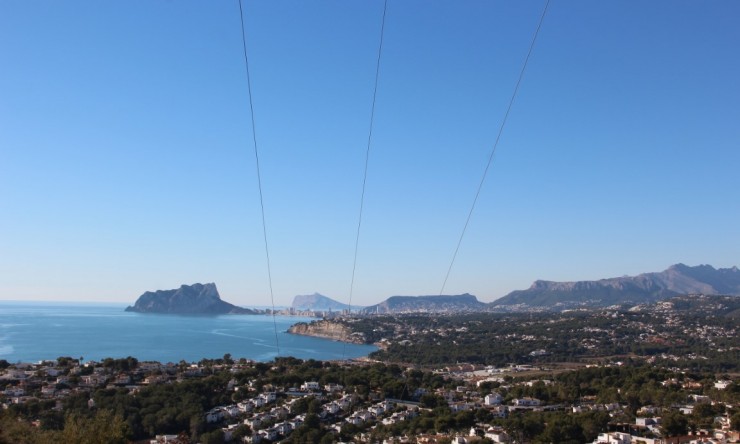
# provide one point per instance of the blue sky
(126, 162)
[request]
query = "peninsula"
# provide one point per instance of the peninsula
(335, 330)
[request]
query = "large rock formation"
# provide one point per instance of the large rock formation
(196, 299)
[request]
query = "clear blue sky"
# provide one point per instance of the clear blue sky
(126, 162)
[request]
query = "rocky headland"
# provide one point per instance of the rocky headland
(328, 329)
(196, 299)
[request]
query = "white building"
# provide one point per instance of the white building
(497, 434)
(622, 438)
(722, 384)
(14, 392)
(331, 387)
(214, 415)
(493, 399)
(527, 402)
(310, 385)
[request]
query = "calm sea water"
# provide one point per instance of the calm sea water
(36, 331)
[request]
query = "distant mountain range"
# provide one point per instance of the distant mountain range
(434, 304)
(319, 302)
(678, 279)
(394, 304)
(196, 299)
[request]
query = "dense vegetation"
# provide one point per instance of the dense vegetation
(179, 408)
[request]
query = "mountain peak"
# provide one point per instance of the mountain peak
(317, 302)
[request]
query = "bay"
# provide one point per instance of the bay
(34, 331)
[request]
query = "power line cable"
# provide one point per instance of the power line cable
(259, 177)
(367, 154)
(367, 161)
(495, 145)
(488, 165)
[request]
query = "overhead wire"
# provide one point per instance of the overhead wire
(367, 154)
(367, 161)
(367, 157)
(259, 177)
(487, 168)
(495, 145)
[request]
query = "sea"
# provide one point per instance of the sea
(35, 331)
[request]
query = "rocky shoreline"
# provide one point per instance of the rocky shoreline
(326, 329)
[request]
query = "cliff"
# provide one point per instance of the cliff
(326, 329)
(196, 299)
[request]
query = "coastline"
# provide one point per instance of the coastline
(326, 329)
(30, 332)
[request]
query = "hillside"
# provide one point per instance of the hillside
(441, 304)
(648, 287)
(196, 299)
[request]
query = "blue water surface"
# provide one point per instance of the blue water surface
(37, 331)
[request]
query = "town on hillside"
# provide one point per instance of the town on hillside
(290, 400)
(657, 373)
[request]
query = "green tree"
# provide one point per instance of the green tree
(703, 416)
(561, 429)
(312, 421)
(214, 437)
(735, 421)
(444, 423)
(465, 419)
(432, 401)
(675, 423)
(240, 432)
(103, 427)
(592, 423)
(16, 431)
(329, 438)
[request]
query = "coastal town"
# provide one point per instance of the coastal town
(692, 332)
(653, 373)
(432, 222)
(290, 400)
(658, 373)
